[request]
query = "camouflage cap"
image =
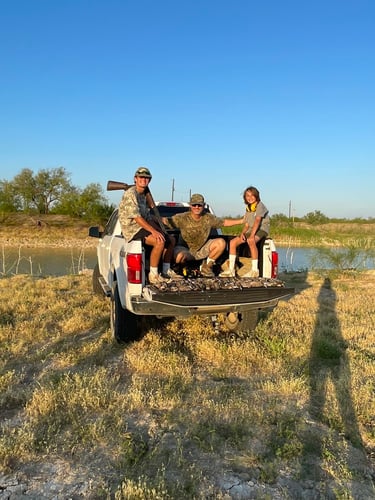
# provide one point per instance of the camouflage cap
(196, 198)
(143, 172)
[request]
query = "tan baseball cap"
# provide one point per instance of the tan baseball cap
(196, 198)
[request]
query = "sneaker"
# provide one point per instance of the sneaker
(207, 271)
(170, 274)
(228, 273)
(254, 273)
(154, 279)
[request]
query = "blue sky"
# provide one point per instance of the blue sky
(217, 95)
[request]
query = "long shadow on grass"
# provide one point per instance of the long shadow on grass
(328, 362)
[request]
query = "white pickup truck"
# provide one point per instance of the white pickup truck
(121, 274)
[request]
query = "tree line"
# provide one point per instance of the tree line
(50, 191)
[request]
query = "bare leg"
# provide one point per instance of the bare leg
(233, 244)
(217, 247)
(157, 250)
(252, 242)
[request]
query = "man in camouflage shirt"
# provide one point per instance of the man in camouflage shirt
(195, 227)
(138, 224)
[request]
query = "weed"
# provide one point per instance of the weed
(269, 471)
(133, 448)
(141, 488)
(275, 346)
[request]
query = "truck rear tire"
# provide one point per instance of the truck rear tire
(242, 322)
(124, 324)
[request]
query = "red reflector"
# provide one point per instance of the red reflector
(170, 204)
(134, 263)
(274, 265)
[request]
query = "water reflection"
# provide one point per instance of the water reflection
(46, 261)
(302, 258)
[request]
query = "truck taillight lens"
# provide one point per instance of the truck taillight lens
(275, 263)
(134, 263)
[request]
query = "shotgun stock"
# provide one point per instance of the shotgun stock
(115, 186)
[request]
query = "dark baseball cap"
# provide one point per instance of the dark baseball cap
(143, 172)
(196, 198)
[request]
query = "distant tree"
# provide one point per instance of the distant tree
(50, 185)
(8, 199)
(279, 218)
(88, 203)
(24, 189)
(50, 190)
(41, 191)
(316, 217)
(92, 200)
(69, 203)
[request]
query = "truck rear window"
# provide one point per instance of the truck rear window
(166, 211)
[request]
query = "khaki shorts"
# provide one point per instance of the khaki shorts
(260, 233)
(202, 253)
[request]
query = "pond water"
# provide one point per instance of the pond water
(298, 259)
(46, 262)
(62, 261)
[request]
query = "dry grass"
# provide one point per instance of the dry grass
(339, 234)
(170, 415)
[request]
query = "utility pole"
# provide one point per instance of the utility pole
(172, 189)
(290, 208)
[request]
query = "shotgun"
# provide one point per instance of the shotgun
(116, 185)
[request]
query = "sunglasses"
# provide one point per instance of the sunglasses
(195, 205)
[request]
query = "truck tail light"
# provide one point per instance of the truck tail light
(134, 263)
(274, 264)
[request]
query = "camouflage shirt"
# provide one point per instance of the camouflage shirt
(261, 211)
(133, 204)
(195, 232)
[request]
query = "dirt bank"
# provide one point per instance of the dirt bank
(45, 231)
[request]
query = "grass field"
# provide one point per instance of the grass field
(286, 411)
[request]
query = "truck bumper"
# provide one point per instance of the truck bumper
(212, 302)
